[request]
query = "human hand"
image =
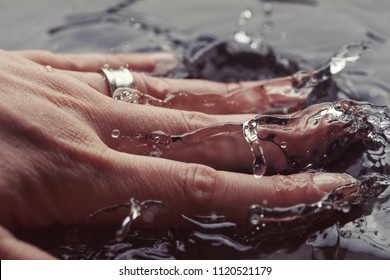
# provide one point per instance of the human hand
(57, 165)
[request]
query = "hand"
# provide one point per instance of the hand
(57, 165)
(270, 96)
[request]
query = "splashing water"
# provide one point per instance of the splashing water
(368, 231)
(241, 35)
(254, 41)
(281, 95)
(136, 209)
(336, 125)
(262, 221)
(349, 53)
(278, 223)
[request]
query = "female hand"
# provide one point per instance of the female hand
(57, 165)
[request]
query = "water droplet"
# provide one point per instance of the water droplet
(254, 219)
(283, 145)
(259, 167)
(156, 153)
(245, 15)
(346, 209)
(137, 25)
(242, 37)
(49, 68)
(267, 7)
(115, 133)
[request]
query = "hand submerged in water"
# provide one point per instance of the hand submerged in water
(57, 165)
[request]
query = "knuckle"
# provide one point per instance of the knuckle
(40, 56)
(233, 86)
(195, 120)
(199, 183)
(157, 87)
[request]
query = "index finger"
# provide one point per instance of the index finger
(195, 189)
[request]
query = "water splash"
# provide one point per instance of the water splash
(257, 40)
(336, 125)
(368, 232)
(241, 35)
(340, 199)
(136, 208)
(289, 143)
(277, 223)
(196, 136)
(281, 95)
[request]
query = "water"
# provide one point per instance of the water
(278, 39)
(335, 125)
(136, 210)
(280, 95)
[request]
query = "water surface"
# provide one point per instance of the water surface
(229, 41)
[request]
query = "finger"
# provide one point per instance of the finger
(195, 95)
(154, 62)
(13, 249)
(195, 189)
(159, 87)
(124, 126)
(157, 63)
(109, 114)
(276, 95)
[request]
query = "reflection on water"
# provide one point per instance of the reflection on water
(327, 229)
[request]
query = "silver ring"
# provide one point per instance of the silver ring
(118, 78)
(128, 95)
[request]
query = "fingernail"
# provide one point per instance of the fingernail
(329, 181)
(164, 63)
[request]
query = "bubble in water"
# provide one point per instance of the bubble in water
(115, 133)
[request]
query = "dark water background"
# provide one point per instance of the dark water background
(297, 35)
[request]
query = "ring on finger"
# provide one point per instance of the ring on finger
(118, 78)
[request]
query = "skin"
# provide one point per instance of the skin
(57, 164)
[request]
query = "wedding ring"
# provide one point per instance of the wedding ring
(118, 78)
